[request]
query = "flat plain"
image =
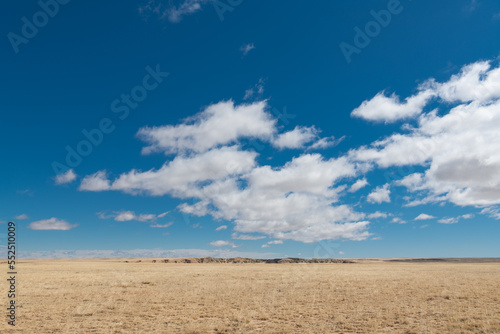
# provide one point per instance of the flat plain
(114, 296)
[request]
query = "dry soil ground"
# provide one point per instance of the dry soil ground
(111, 296)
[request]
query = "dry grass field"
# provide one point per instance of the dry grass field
(111, 296)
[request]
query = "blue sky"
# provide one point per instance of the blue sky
(251, 128)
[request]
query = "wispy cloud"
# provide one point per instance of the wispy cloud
(256, 91)
(272, 242)
(222, 243)
(246, 236)
(51, 224)
(21, 217)
(123, 216)
(245, 49)
(397, 220)
(162, 225)
(174, 13)
(454, 220)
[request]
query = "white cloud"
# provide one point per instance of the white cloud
(322, 231)
(181, 177)
(245, 49)
(272, 242)
(295, 138)
(95, 182)
(222, 243)
(173, 13)
(459, 148)
(161, 215)
(219, 124)
(397, 220)
(67, 177)
(377, 215)
(341, 253)
(51, 224)
(222, 227)
(255, 91)
(476, 82)
(21, 217)
(361, 183)
(325, 142)
(424, 216)
(162, 225)
(454, 220)
(493, 212)
(390, 109)
(123, 216)
(380, 194)
(246, 236)
(295, 197)
(298, 200)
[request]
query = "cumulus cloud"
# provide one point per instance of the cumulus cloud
(476, 82)
(295, 138)
(66, 177)
(458, 149)
(224, 180)
(424, 216)
(390, 109)
(219, 124)
(95, 182)
(51, 224)
(222, 227)
(182, 176)
(222, 243)
(361, 183)
(380, 194)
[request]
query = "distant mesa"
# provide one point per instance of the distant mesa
(248, 260)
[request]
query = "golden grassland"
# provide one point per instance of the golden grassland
(112, 296)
